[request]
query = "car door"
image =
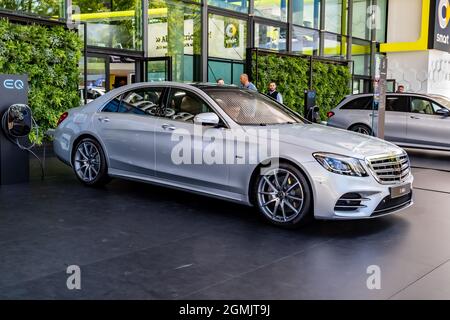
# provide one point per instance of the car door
(425, 127)
(397, 107)
(126, 127)
(181, 145)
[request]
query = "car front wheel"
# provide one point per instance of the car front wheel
(89, 163)
(283, 196)
(361, 128)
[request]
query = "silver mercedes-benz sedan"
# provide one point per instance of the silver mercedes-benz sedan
(412, 120)
(234, 144)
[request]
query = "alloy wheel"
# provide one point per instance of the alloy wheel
(362, 130)
(87, 161)
(280, 195)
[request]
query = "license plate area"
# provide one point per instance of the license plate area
(397, 192)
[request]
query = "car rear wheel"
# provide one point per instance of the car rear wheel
(89, 163)
(361, 128)
(283, 196)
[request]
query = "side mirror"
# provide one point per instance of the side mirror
(207, 118)
(443, 112)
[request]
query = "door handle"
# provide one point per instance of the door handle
(413, 117)
(373, 115)
(103, 119)
(168, 127)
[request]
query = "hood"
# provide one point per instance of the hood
(320, 138)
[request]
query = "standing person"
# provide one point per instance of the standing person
(274, 93)
(220, 82)
(400, 89)
(246, 83)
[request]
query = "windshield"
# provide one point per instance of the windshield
(445, 102)
(247, 107)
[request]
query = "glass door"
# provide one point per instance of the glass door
(96, 77)
(158, 69)
(122, 71)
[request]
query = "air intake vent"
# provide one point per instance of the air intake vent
(350, 202)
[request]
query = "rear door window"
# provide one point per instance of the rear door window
(397, 104)
(363, 103)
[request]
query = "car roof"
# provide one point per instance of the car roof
(392, 93)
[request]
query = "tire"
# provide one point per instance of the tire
(276, 201)
(89, 163)
(361, 128)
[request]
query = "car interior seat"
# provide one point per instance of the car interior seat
(190, 105)
(419, 106)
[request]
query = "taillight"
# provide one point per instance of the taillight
(62, 118)
(330, 114)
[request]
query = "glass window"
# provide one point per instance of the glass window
(112, 23)
(235, 5)
(269, 37)
(238, 69)
(443, 101)
(397, 104)
(113, 105)
(157, 70)
(361, 57)
(305, 41)
(250, 108)
(272, 9)
(421, 106)
(228, 71)
(335, 46)
(364, 103)
(333, 16)
(381, 25)
(227, 37)
(141, 101)
(184, 106)
(96, 77)
(437, 107)
(174, 30)
(50, 8)
(219, 70)
(360, 19)
(306, 13)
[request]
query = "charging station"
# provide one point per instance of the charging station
(311, 109)
(14, 162)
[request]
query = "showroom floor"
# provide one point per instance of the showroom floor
(137, 241)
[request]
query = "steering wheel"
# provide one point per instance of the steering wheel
(185, 116)
(154, 111)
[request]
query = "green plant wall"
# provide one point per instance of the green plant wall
(291, 73)
(50, 56)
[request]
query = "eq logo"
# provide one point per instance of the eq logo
(13, 84)
(444, 13)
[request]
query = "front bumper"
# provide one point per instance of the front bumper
(329, 188)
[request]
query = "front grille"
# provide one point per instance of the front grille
(390, 169)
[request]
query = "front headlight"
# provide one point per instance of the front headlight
(344, 165)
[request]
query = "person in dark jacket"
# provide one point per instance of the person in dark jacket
(274, 93)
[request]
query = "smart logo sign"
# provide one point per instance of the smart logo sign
(441, 34)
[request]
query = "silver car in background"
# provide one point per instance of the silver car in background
(132, 132)
(412, 120)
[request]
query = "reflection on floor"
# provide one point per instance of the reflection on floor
(138, 241)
